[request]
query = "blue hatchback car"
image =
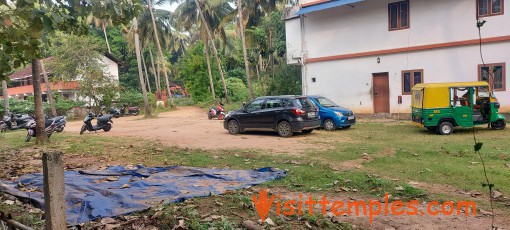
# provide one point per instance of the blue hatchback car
(332, 115)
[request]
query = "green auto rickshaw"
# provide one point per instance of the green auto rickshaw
(441, 106)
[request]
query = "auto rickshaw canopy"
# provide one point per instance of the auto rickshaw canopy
(437, 95)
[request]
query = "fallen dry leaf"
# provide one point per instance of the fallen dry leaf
(486, 213)
(400, 188)
(270, 222)
(125, 186)
(345, 189)
(413, 183)
(496, 194)
(9, 202)
(108, 220)
(250, 225)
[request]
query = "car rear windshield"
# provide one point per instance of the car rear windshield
(303, 102)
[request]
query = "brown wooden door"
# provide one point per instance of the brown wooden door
(381, 93)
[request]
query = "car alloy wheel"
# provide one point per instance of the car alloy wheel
(329, 125)
(284, 129)
(233, 127)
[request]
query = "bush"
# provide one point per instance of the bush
(135, 98)
(237, 90)
(27, 106)
(131, 98)
(183, 101)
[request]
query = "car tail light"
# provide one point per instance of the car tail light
(298, 112)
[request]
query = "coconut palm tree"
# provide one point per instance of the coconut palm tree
(139, 62)
(240, 19)
(209, 17)
(249, 14)
(160, 51)
(100, 21)
(146, 32)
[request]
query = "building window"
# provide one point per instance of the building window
(498, 72)
(409, 79)
(398, 14)
(486, 8)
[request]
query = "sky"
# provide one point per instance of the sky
(167, 6)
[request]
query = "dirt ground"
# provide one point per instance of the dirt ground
(188, 127)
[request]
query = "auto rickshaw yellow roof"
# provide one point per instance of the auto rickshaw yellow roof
(451, 84)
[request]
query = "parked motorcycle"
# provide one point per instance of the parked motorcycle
(51, 125)
(13, 121)
(103, 122)
(60, 124)
(218, 112)
(135, 110)
(115, 112)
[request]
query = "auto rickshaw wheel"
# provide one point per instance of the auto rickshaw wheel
(445, 128)
(498, 125)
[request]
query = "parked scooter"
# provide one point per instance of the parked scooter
(218, 112)
(52, 125)
(13, 121)
(135, 110)
(103, 122)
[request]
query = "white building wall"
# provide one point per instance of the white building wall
(293, 40)
(364, 28)
(111, 67)
(349, 82)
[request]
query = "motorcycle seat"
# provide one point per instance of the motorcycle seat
(22, 118)
(48, 122)
(133, 108)
(104, 118)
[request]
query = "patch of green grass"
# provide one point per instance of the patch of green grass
(20, 215)
(184, 101)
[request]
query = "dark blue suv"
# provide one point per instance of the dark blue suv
(332, 115)
(283, 114)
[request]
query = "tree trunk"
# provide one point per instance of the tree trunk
(140, 74)
(6, 95)
(211, 82)
(160, 52)
(245, 51)
(106, 36)
(215, 52)
(48, 91)
(156, 73)
(271, 58)
(146, 75)
(39, 113)
(259, 67)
